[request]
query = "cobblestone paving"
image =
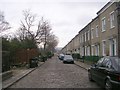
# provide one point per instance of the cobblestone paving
(55, 74)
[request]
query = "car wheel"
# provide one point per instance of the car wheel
(72, 62)
(108, 85)
(90, 76)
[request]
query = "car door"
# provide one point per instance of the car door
(102, 71)
(96, 70)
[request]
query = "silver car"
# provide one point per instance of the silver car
(61, 56)
(68, 59)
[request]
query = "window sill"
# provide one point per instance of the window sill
(103, 30)
(112, 27)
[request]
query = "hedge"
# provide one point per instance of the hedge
(91, 58)
(76, 55)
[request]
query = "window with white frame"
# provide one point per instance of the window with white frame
(92, 50)
(88, 50)
(96, 50)
(103, 24)
(97, 31)
(92, 33)
(82, 38)
(115, 42)
(88, 35)
(112, 47)
(77, 51)
(85, 50)
(82, 51)
(112, 19)
(85, 36)
(104, 47)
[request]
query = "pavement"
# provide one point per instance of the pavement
(55, 74)
(17, 75)
(82, 65)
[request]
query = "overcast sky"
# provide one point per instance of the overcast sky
(67, 17)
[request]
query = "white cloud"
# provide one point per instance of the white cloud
(67, 17)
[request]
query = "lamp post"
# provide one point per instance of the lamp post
(28, 55)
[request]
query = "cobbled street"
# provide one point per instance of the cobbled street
(55, 74)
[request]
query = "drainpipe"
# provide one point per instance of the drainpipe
(118, 21)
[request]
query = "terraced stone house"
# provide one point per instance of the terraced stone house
(100, 37)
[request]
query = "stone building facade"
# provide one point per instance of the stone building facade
(100, 37)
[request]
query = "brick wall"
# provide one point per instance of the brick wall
(24, 55)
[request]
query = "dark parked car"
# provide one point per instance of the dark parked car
(106, 73)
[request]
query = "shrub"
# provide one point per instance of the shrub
(92, 58)
(76, 55)
(5, 61)
(49, 54)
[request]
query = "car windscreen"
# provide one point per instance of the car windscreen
(68, 57)
(61, 55)
(116, 64)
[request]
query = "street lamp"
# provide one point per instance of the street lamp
(28, 55)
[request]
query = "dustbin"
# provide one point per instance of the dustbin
(33, 63)
(43, 58)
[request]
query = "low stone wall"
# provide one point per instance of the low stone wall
(6, 75)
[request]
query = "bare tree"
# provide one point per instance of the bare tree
(4, 25)
(46, 33)
(39, 33)
(52, 42)
(28, 28)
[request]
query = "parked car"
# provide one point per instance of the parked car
(61, 56)
(106, 72)
(68, 59)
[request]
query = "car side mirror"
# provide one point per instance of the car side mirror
(94, 65)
